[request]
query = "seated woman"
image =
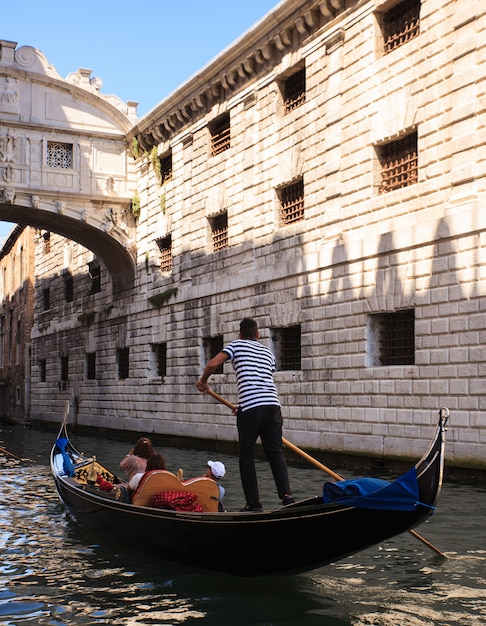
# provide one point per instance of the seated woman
(155, 462)
(136, 460)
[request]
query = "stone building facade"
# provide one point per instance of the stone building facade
(325, 175)
(16, 320)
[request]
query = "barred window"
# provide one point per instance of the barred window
(286, 344)
(391, 338)
(166, 168)
(400, 24)
(292, 202)
(213, 346)
(165, 247)
(158, 359)
(294, 90)
(59, 155)
(91, 365)
(219, 231)
(399, 163)
(123, 361)
(220, 134)
(47, 241)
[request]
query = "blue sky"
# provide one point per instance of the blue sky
(141, 51)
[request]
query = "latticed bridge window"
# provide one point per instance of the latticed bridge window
(59, 155)
(165, 247)
(220, 134)
(401, 23)
(292, 202)
(294, 90)
(391, 338)
(219, 231)
(399, 163)
(286, 344)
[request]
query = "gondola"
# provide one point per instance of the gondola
(342, 519)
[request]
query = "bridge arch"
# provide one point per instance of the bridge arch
(64, 161)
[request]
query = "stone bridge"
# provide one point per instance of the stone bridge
(65, 166)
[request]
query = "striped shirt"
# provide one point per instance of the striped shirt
(254, 365)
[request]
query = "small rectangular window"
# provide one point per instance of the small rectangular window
(213, 346)
(400, 24)
(47, 241)
(94, 272)
(68, 288)
(165, 247)
(46, 299)
(158, 364)
(292, 202)
(42, 371)
(399, 163)
(166, 168)
(391, 338)
(59, 155)
(64, 371)
(91, 366)
(220, 134)
(294, 90)
(219, 231)
(123, 360)
(286, 344)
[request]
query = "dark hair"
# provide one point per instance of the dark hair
(143, 448)
(248, 328)
(155, 461)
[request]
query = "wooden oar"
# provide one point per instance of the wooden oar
(14, 456)
(315, 462)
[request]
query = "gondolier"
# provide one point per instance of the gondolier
(258, 414)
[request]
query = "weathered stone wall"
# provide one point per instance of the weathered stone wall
(357, 251)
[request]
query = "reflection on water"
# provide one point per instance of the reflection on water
(55, 573)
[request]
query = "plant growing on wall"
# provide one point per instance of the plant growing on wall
(135, 148)
(154, 159)
(136, 205)
(162, 203)
(161, 298)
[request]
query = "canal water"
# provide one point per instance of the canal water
(54, 573)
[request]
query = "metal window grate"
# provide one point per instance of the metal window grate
(64, 368)
(220, 135)
(165, 247)
(397, 338)
(399, 163)
(219, 231)
(212, 347)
(166, 168)
(94, 272)
(294, 91)
(401, 24)
(287, 347)
(59, 155)
(42, 371)
(292, 203)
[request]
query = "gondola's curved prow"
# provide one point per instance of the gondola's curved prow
(316, 533)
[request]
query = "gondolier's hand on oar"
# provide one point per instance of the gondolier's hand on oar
(211, 366)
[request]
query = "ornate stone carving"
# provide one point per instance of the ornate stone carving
(8, 148)
(9, 174)
(9, 90)
(60, 206)
(35, 201)
(8, 195)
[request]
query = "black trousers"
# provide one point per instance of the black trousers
(264, 422)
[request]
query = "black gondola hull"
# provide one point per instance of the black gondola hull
(295, 538)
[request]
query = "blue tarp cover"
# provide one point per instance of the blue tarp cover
(374, 493)
(67, 464)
